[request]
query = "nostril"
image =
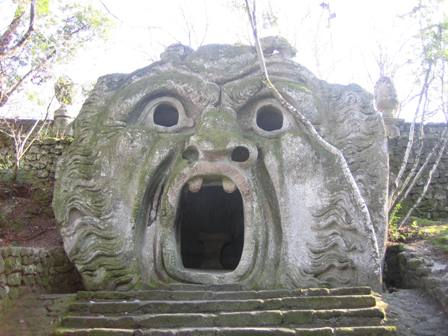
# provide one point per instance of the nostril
(190, 154)
(240, 154)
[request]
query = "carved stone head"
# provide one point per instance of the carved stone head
(190, 171)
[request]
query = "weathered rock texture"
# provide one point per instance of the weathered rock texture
(24, 269)
(435, 202)
(138, 194)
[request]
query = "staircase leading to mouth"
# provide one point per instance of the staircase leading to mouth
(226, 311)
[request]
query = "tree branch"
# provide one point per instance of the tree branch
(395, 196)
(43, 123)
(10, 51)
(7, 36)
(407, 153)
(428, 182)
(428, 159)
(311, 131)
(5, 96)
(110, 12)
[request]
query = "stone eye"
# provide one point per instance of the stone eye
(269, 118)
(165, 114)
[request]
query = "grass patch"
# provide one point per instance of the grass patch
(435, 232)
(427, 222)
(437, 235)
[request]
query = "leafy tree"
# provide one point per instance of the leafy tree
(40, 34)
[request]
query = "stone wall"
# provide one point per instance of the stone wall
(407, 267)
(435, 203)
(40, 160)
(25, 269)
(42, 156)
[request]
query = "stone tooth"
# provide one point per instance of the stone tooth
(195, 184)
(228, 185)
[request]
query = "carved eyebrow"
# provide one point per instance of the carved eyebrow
(241, 92)
(188, 89)
(294, 84)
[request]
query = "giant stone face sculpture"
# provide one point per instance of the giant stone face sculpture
(189, 171)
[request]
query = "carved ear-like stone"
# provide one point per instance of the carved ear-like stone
(175, 52)
(277, 44)
(386, 96)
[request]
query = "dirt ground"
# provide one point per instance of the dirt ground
(415, 313)
(26, 216)
(33, 315)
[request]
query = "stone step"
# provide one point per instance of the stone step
(198, 287)
(254, 331)
(306, 318)
(171, 294)
(204, 306)
(217, 310)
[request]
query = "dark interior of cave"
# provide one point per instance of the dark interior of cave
(210, 226)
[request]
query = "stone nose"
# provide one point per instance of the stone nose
(218, 137)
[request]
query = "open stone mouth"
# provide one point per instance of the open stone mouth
(210, 224)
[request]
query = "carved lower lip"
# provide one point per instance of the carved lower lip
(171, 255)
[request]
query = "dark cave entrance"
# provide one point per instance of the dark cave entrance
(210, 226)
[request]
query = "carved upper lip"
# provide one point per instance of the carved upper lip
(196, 183)
(228, 173)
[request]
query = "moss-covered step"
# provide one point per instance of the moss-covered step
(338, 311)
(218, 294)
(204, 306)
(354, 331)
(333, 317)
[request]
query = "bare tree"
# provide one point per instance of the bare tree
(431, 98)
(23, 136)
(402, 181)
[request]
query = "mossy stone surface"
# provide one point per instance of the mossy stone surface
(313, 208)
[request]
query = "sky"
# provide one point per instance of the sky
(335, 50)
(338, 40)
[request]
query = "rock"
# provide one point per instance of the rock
(414, 263)
(4, 290)
(14, 279)
(14, 251)
(59, 257)
(29, 269)
(12, 264)
(14, 293)
(197, 138)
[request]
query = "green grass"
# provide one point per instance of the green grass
(437, 235)
(427, 222)
(435, 232)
